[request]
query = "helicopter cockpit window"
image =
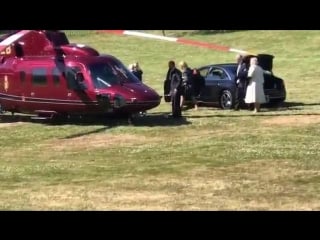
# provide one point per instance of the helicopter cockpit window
(105, 75)
(102, 75)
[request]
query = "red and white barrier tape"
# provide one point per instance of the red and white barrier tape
(178, 40)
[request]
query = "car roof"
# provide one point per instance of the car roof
(219, 65)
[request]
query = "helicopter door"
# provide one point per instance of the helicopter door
(76, 87)
(72, 81)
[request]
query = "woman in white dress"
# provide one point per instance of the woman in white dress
(255, 92)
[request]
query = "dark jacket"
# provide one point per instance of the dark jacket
(242, 75)
(138, 74)
(175, 78)
(187, 77)
(198, 82)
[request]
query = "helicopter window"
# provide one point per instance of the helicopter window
(124, 74)
(112, 73)
(103, 75)
(56, 76)
(39, 77)
(22, 76)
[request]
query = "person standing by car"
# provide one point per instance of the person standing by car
(187, 83)
(136, 70)
(241, 82)
(198, 85)
(175, 77)
(255, 91)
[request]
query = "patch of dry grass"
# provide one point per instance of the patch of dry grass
(257, 185)
(13, 124)
(100, 141)
(295, 120)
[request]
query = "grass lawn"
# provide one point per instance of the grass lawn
(211, 160)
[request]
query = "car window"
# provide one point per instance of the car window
(204, 71)
(217, 74)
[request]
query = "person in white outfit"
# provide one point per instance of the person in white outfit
(255, 92)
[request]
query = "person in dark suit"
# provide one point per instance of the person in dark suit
(137, 71)
(175, 78)
(198, 85)
(241, 82)
(187, 84)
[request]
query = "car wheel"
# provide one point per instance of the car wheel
(226, 100)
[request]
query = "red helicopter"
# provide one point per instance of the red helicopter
(42, 73)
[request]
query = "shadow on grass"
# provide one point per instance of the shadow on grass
(159, 119)
(149, 120)
(269, 107)
(267, 110)
(86, 133)
(152, 120)
(298, 104)
(287, 106)
(250, 113)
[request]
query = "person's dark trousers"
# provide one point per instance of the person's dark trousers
(239, 97)
(175, 101)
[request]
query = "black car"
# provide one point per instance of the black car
(220, 83)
